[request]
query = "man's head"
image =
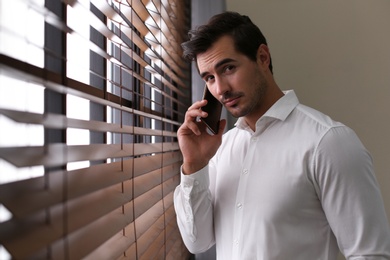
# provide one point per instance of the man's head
(246, 35)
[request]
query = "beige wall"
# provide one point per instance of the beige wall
(336, 55)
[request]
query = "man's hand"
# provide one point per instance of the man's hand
(196, 144)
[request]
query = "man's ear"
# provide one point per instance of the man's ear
(263, 56)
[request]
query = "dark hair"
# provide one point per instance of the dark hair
(246, 35)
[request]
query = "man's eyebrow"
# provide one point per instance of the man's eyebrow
(219, 64)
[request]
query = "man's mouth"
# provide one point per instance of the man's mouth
(230, 102)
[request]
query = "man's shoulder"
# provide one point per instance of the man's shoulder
(305, 114)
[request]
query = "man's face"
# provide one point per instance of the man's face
(235, 80)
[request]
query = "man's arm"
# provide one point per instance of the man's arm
(192, 199)
(350, 195)
(193, 206)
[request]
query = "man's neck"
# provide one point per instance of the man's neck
(273, 95)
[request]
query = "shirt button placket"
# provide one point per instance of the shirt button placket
(240, 203)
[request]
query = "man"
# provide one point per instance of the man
(287, 182)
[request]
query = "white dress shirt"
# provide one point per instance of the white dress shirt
(301, 186)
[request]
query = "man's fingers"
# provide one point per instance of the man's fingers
(198, 104)
(195, 112)
(194, 127)
(192, 115)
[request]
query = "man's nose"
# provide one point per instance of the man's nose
(221, 86)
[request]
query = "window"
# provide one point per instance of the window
(92, 93)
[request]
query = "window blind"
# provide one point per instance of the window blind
(92, 93)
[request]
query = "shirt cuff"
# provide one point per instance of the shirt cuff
(196, 182)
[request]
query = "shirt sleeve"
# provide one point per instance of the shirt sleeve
(350, 195)
(194, 210)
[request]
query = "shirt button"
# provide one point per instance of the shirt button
(254, 139)
(239, 205)
(236, 242)
(196, 182)
(245, 171)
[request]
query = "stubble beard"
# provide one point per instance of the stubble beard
(255, 100)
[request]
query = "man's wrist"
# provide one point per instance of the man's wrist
(190, 168)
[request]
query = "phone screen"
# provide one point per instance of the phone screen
(214, 110)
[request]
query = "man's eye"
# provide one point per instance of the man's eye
(208, 78)
(229, 68)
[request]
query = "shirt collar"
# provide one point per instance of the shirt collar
(280, 110)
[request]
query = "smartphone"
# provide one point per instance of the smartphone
(213, 109)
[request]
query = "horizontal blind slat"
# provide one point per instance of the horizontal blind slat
(86, 240)
(24, 241)
(60, 154)
(47, 191)
(115, 247)
(56, 121)
(151, 246)
(78, 230)
(134, 13)
(147, 200)
(53, 81)
(31, 195)
(146, 29)
(150, 163)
